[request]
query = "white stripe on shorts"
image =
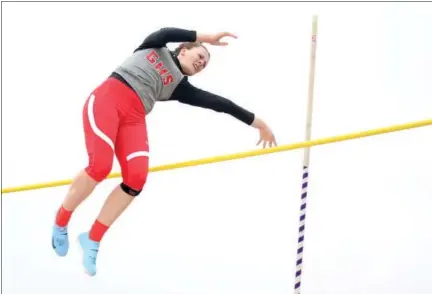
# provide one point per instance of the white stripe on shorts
(137, 154)
(93, 125)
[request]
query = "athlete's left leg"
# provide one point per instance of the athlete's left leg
(132, 152)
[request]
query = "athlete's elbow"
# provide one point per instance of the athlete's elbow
(161, 35)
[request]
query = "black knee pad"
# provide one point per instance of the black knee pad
(129, 190)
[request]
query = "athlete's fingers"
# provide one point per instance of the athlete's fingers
(228, 34)
(222, 43)
(259, 142)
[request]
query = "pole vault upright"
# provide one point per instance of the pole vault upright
(301, 231)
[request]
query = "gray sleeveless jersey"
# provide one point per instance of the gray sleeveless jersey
(152, 73)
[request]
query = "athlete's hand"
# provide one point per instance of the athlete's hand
(215, 39)
(266, 135)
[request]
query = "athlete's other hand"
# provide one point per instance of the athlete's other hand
(215, 39)
(266, 135)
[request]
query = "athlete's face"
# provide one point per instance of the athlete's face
(193, 60)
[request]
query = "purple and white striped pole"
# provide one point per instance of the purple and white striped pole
(301, 231)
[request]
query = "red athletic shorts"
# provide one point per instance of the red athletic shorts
(114, 123)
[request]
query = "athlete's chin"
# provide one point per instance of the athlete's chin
(191, 71)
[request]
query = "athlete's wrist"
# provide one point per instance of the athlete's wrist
(258, 123)
(215, 39)
(203, 38)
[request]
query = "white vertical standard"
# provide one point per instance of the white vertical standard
(299, 260)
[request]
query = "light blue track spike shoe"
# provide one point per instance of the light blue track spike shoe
(89, 249)
(60, 240)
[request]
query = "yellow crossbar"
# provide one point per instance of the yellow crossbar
(220, 158)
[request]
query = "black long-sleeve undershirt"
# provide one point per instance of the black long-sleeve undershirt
(187, 93)
(164, 36)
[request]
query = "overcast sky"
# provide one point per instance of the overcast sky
(228, 227)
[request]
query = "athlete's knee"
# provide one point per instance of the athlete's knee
(99, 170)
(134, 182)
(135, 177)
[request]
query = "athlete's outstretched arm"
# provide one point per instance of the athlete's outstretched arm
(163, 36)
(188, 94)
(167, 35)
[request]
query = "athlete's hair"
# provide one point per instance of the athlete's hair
(190, 45)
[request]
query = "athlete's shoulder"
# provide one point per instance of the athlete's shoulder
(161, 37)
(152, 41)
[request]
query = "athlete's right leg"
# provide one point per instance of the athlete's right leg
(132, 153)
(100, 119)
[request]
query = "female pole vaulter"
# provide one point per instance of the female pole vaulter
(114, 117)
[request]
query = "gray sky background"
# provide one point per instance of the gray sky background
(228, 227)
